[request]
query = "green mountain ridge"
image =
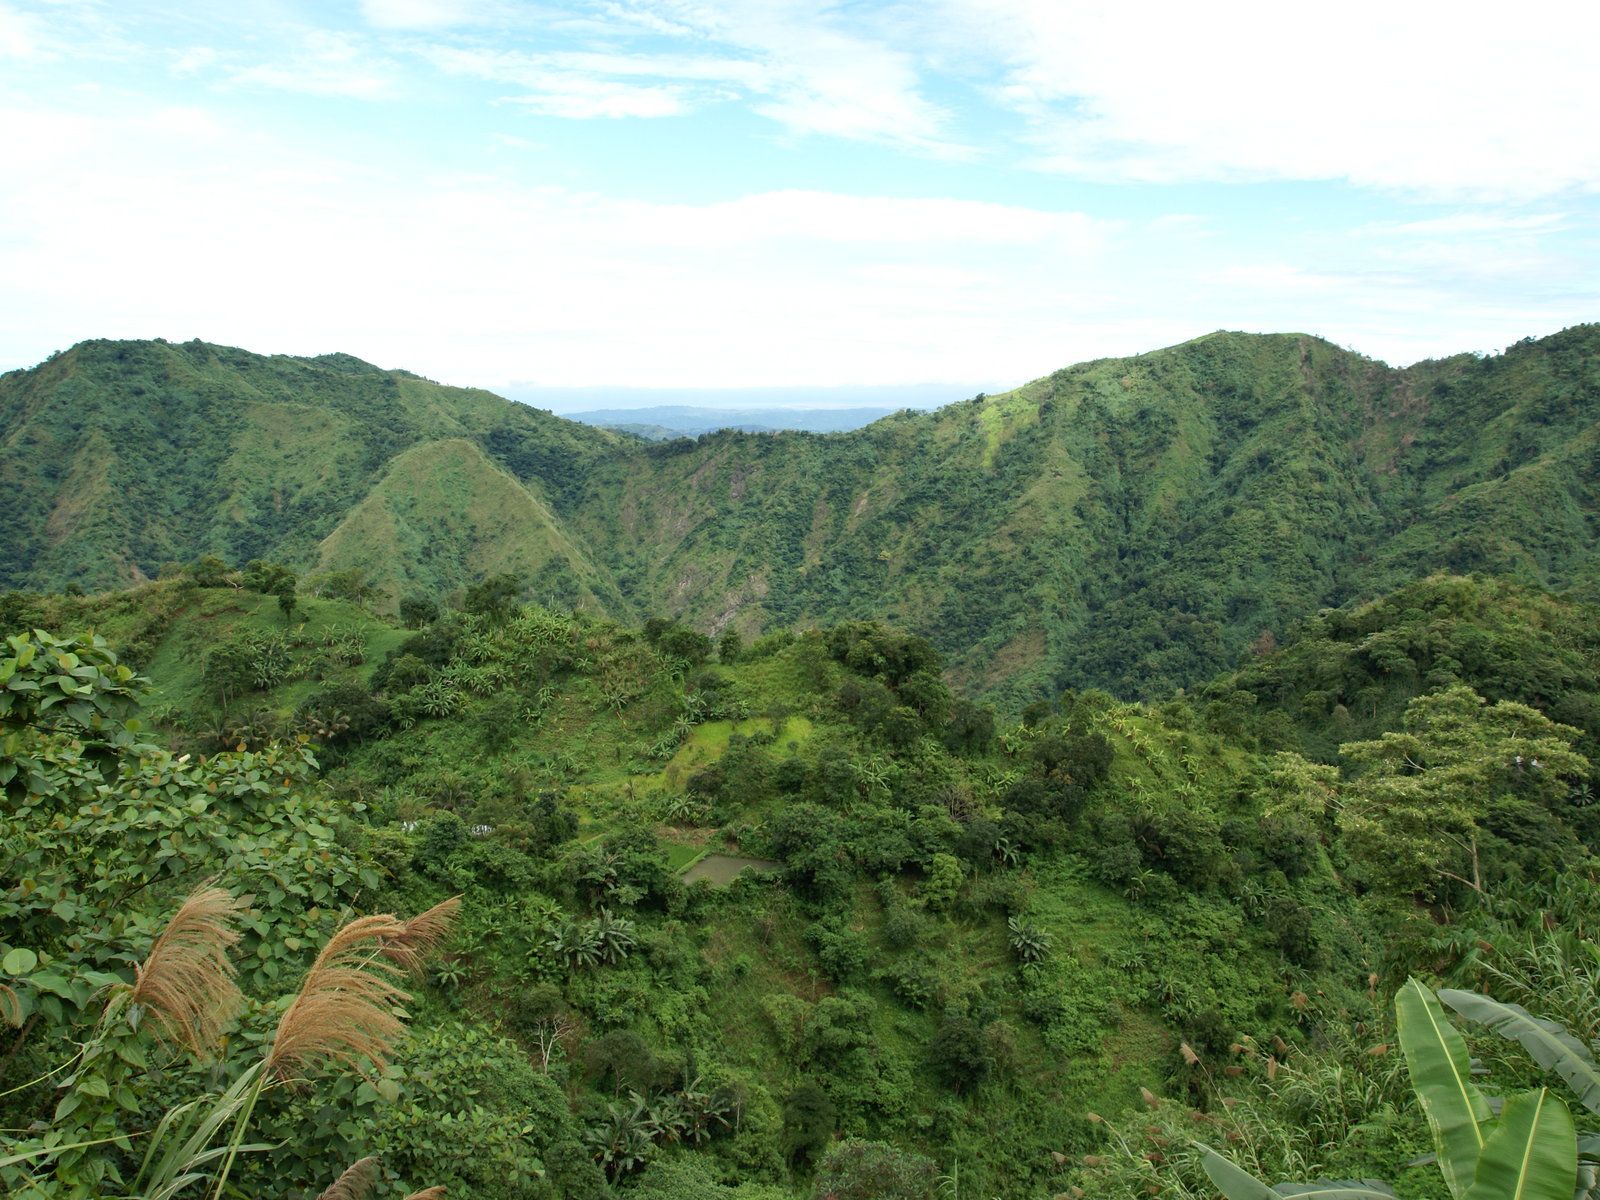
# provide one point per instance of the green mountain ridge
(1128, 523)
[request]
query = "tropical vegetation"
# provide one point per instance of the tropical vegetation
(422, 809)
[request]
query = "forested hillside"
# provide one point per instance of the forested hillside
(1131, 523)
(122, 456)
(755, 919)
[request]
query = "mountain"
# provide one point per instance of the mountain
(1131, 523)
(1127, 523)
(677, 420)
(118, 456)
(444, 511)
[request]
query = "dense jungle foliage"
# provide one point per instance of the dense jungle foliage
(1131, 524)
(984, 803)
(774, 917)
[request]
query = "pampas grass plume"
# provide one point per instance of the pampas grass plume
(186, 981)
(348, 1008)
(355, 1183)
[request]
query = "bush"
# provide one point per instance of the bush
(808, 1121)
(690, 1178)
(480, 1118)
(960, 1054)
(861, 1170)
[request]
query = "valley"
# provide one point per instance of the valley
(1005, 801)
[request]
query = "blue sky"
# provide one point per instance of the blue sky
(746, 193)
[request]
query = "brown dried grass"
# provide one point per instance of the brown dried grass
(348, 1010)
(356, 1181)
(186, 981)
(10, 1008)
(433, 1193)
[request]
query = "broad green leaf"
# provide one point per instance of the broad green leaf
(1340, 1189)
(93, 1085)
(19, 962)
(1233, 1182)
(1441, 1075)
(1551, 1046)
(1532, 1153)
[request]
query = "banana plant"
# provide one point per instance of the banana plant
(1554, 1049)
(1547, 1043)
(1441, 1075)
(1528, 1152)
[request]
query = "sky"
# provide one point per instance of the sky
(727, 194)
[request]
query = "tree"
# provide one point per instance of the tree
(729, 646)
(1451, 796)
(943, 884)
(493, 597)
(677, 641)
(268, 578)
(959, 1053)
(417, 611)
(287, 600)
(623, 1141)
(209, 571)
(808, 1120)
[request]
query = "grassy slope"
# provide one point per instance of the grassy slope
(444, 512)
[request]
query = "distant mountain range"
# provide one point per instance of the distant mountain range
(572, 401)
(1129, 523)
(665, 421)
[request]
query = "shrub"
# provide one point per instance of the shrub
(861, 1170)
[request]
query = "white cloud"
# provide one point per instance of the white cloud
(325, 64)
(176, 221)
(579, 97)
(426, 14)
(824, 75)
(1463, 98)
(20, 36)
(1476, 224)
(195, 60)
(791, 62)
(130, 226)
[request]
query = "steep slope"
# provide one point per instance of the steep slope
(443, 513)
(1128, 523)
(554, 768)
(118, 456)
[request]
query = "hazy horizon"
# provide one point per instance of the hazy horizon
(700, 196)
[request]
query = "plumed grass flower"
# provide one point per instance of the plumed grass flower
(186, 983)
(422, 935)
(348, 1010)
(10, 1008)
(355, 1183)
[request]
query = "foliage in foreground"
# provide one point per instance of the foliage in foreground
(964, 936)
